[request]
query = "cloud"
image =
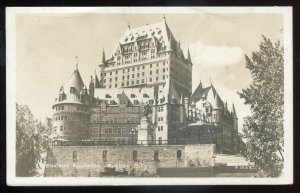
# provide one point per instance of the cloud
(210, 55)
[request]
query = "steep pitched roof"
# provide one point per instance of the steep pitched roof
(97, 82)
(233, 111)
(75, 81)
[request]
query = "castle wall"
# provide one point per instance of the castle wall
(89, 161)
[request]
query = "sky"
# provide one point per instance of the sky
(46, 46)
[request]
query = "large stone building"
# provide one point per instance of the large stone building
(147, 70)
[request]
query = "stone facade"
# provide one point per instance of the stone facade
(148, 67)
(137, 160)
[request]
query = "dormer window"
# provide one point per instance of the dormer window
(107, 96)
(132, 95)
(72, 90)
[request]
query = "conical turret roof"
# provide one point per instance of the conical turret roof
(75, 81)
(233, 111)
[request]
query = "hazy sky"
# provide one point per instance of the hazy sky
(46, 46)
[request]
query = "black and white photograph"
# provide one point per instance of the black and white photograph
(146, 96)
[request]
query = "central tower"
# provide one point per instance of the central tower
(145, 56)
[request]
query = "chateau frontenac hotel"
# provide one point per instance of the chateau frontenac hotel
(141, 97)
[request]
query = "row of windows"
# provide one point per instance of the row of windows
(71, 118)
(160, 109)
(70, 108)
(118, 130)
(112, 130)
(160, 118)
(160, 128)
(112, 120)
(136, 75)
(134, 68)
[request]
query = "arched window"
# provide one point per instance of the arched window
(104, 155)
(134, 155)
(156, 155)
(74, 155)
(179, 154)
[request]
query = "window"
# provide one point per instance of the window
(132, 82)
(150, 72)
(137, 82)
(74, 155)
(164, 69)
(156, 155)
(136, 102)
(104, 155)
(150, 80)
(110, 130)
(132, 95)
(161, 128)
(61, 128)
(143, 73)
(72, 90)
(138, 75)
(143, 81)
(145, 95)
(110, 73)
(134, 155)
(150, 65)
(116, 78)
(156, 78)
(179, 154)
(116, 85)
(132, 75)
(138, 68)
(110, 79)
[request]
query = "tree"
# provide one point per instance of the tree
(32, 138)
(263, 130)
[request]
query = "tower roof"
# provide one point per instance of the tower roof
(75, 81)
(160, 31)
(189, 60)
(233, 111)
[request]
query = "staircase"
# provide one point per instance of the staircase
(231, 160)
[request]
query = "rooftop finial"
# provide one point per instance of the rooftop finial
(164, 17)
(129, 21)
(76, 61)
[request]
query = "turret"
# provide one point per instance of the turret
(189, 60)
(235, 118)
(216, 111)
(92, 90)
(62, 95)
(102, 69)
(186, 106)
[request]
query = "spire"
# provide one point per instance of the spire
(129, 22)
(170, 45)
(233, 111)
(103, 57)
(164, 17)
(216, 103)
(189, 60)
(76, 57)
(97, 82)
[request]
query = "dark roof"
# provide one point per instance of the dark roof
(75, 81)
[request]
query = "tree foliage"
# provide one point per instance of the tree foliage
(263, 130)
(32, 139)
